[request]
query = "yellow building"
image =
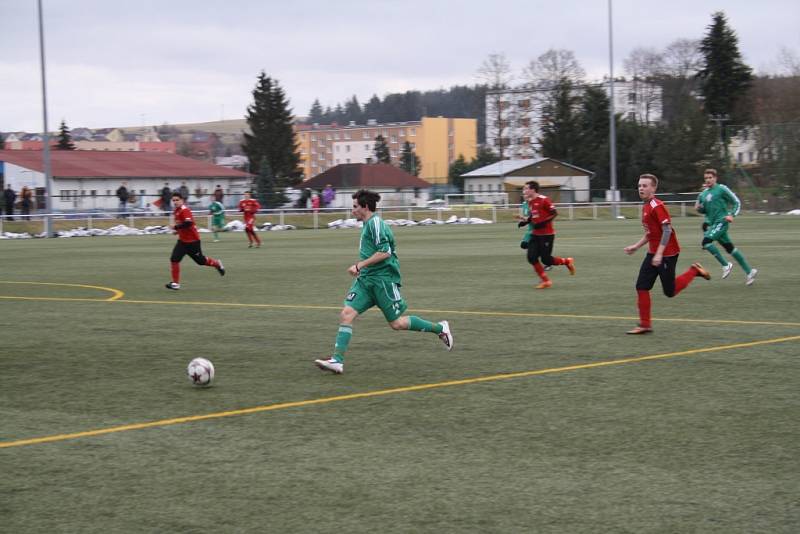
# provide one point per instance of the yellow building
(437, 142)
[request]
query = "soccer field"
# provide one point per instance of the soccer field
(545, 417)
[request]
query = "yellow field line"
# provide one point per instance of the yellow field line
(416, 310)
(383, 392)
(116, 293)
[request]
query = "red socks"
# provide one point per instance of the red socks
(643, 300)
(211, 262)
(559, 261)
(685, 279)
(539, 268)
(175, 268)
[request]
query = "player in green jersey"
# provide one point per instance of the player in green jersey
(720, 205)
(377, 283)
(217, 211)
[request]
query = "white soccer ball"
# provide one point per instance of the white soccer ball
(200, 372)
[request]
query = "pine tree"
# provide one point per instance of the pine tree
(724, 78)
(2, 143)
(457, 168)
(64, 138)
(267, 192)
(381, 151)
(409, 161)
(315, 114)
(352, 111)
(591, 151)
(560, 130)
(272, 137)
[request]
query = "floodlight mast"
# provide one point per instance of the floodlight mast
(612, 127)
(48, 226)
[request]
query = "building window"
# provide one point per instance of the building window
(631, 98)
(402, 132)
(365, 134)
(393, 139)
(524, 123)
(740, 157)
(348, 160)
(347, 135)
(413, 132)
(524, 104)
(750, 156)
(632, 115)
(347, 148)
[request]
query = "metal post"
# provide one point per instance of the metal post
(46, 138)
(612, 127)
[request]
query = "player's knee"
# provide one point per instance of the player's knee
(347, 315)
(200, 259)
(728, 247)
(706, 242)
(174, 259)
(669, 292)
(398, 324)
(547, 260)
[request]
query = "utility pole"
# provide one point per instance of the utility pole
(720, 119)
(48, 225)
(612, 127)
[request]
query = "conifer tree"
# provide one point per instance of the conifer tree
(381, 150)
(64, 138)
(724, 78)
(267, 193)
(272, 134)
(409, 161)
(315, 114)
(560, 130)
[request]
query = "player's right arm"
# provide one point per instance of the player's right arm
(630, 249)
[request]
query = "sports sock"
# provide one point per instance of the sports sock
(716, 253)
(685, 279)
(643, 301)
(342, 340)
(739, 257)
(421, 325)
(211, 262)
(175, 269)
(216, 236)
(559, 261)
(539, 268)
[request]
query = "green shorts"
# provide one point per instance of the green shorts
(218, 222)
(368, 292)
(718, 232)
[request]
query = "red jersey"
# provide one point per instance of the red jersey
(188, 233)
(249, 206)
(541, 208)
(654, 215)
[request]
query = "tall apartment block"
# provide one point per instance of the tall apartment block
(437, 142)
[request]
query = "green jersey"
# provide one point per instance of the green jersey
(376, 236)
(217, 211)
(525, 210)
(717, 202)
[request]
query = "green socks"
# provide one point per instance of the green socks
(715, 252)
(739, 257)
(342, 340)
(421, 325)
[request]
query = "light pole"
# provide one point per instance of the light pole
(48, 226)
(612, 127)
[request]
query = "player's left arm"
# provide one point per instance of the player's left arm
(666, 232)
(552, 213)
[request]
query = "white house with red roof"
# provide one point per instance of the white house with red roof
(83, 180)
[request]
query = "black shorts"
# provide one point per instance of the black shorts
(192, 249)
(541, 248)
(665, 271)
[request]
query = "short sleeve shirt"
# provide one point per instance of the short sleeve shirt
(541, 208)
(376, 236)
(654, 215)
(189, 233)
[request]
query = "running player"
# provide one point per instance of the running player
(249, 207)
(720, 205)
(540, 234)
(188, 242)
(377, 283)
(217, 211)
(662, 256)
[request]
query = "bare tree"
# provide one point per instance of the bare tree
(645, 66)
(550, 68)
(495, 73)
(682, 58)
(789, 61)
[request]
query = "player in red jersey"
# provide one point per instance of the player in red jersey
(662, 255)
(249, 207)
(541, 235)
(188, 243)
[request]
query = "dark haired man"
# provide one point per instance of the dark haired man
(188, 243)
(540, 235)
(377, 283)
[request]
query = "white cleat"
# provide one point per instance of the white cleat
(331, 365)
(751, 277)
(173, 286)
(726, 271)
(446, 336)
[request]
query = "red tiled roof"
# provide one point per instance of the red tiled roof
(350, 175)
(88, 163)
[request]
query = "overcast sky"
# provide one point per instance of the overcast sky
(176, 61)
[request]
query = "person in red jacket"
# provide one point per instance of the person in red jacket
(249, 207)
(188, 243)
(662, 254)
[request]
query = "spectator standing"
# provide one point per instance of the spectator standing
(123, 196)
(328, 195)
(27, 201)
(9, 196)
(184, 191)
(219, 195)
(315, 202)
(166, 196)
